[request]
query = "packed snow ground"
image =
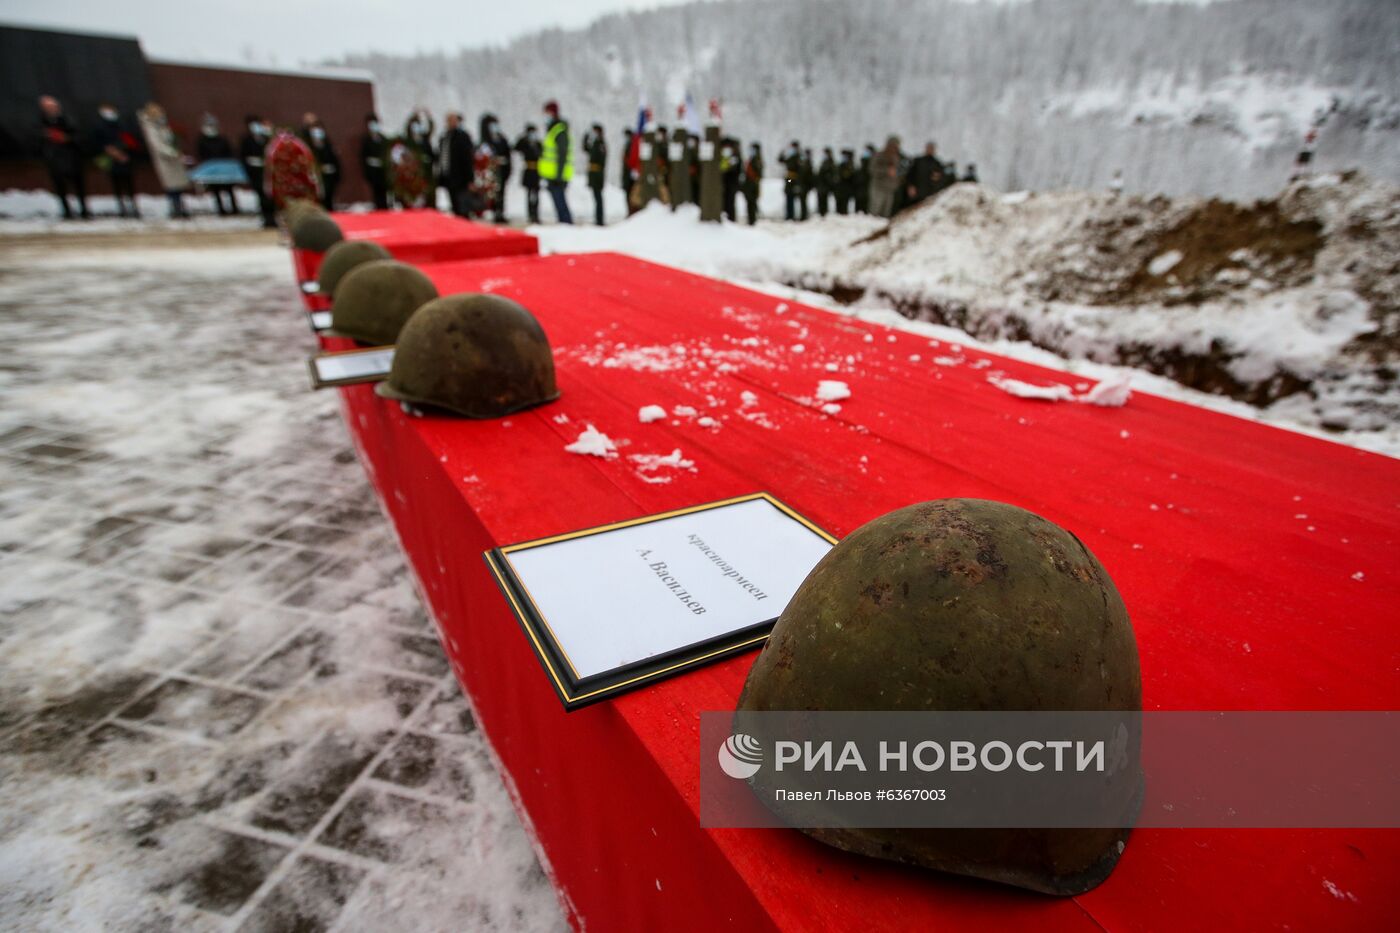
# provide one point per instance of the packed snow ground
(1299, 331)
(221, 703)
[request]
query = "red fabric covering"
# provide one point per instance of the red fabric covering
(1258, 566)
(419, 236)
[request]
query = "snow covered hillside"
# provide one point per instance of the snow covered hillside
(1183, 98)
(1286, 310)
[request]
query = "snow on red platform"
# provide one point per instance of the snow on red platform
(1258, 567)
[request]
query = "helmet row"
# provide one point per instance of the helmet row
(475, 355)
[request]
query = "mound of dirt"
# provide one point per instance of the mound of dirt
(1292, 299)
(1160, 252)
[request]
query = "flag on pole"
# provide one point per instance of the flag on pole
(692, 115)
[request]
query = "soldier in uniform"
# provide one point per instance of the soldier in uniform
(863, 179)
(885, 174)
(692, 163)
(373, 148)
(528, 145)
(753, 181)
(731, 170)
(792, 180)
(809, 182)
(252, 151)
(661, 144)
(826, 181)
(596, 148)
(845, 181)
(679, 168)
(327, 162)
(628, 178)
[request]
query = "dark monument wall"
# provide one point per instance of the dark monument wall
(85, 70)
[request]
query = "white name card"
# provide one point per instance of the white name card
(347, 367)
(677, 151)
(311, 287)
(707, 151)
(612, 608)
(320, 320)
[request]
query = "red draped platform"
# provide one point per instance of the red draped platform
(1258, 565)
(419, 236)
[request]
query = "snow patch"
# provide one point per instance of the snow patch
(593, 443)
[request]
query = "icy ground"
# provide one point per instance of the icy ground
(221, 703)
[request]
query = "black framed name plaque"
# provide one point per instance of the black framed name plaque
(622, 605)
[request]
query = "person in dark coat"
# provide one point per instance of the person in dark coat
(374, 146)
(455, 160)
(753, 182)
(595, 147)
(215, 145)
(252, 151)
(845, 186)
(926, 176)
(116, 149)
(826, 181)
(327, 162)
(731, 173)
(970, 173)
(502, 149)
(862, 200)
(528, 145)
(58, 147)
(418, 135)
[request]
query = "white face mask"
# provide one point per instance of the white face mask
(259, 129)
(317, 133)
(107, 114)
(374, 126)
(210, 130)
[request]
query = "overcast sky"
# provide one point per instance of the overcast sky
(294, 32)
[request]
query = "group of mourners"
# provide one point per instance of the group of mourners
(879, 182)
(407, 168)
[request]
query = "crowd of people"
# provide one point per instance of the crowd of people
(406, 168)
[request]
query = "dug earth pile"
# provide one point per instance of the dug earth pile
(1292, 303)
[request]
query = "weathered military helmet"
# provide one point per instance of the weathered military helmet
(959, 604)
(314, 231)
(482, 356)
(344, 256)
(376, 298)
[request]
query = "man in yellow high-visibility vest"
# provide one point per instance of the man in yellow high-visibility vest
(555, 166)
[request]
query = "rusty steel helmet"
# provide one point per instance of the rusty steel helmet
(376, 298)
(314, 231)
(344, 256)
(482, 356)
(959, 604)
